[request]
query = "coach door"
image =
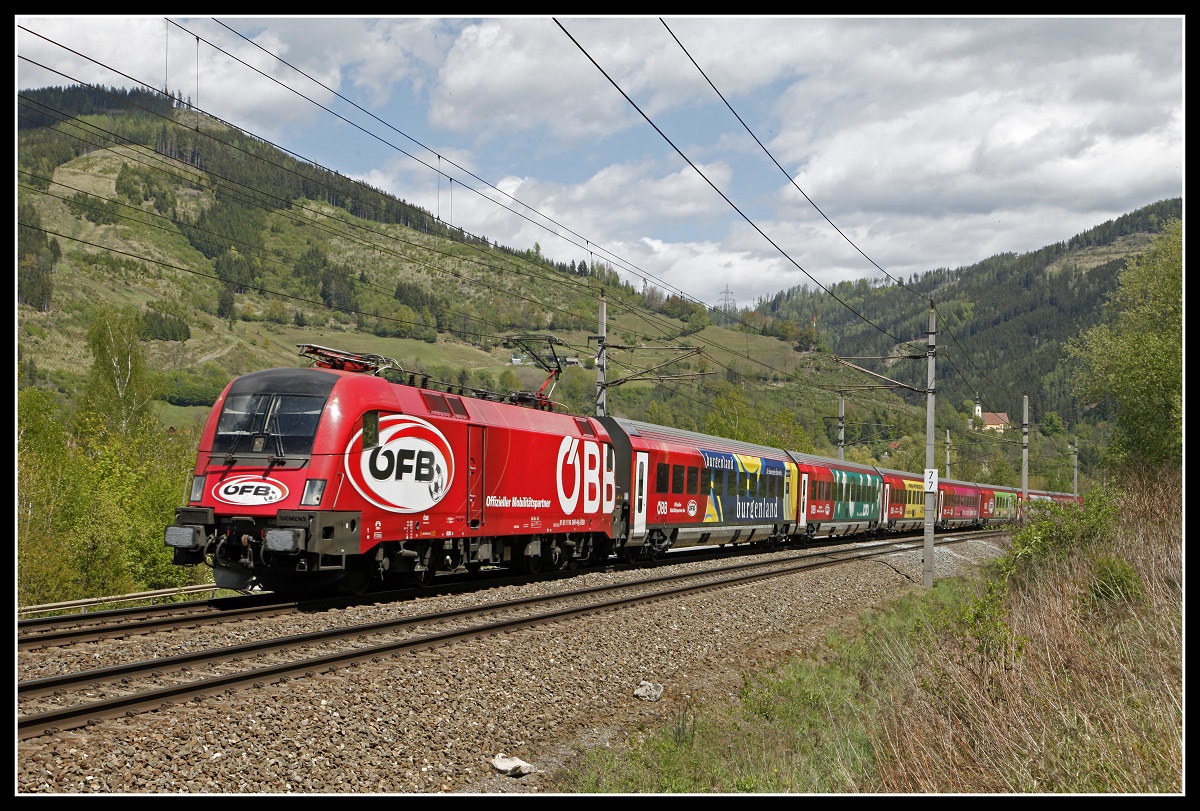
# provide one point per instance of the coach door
(641, 468)
(787, 492)
(475, 496)
(802, 518)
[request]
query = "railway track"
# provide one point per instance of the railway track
(79, 698)
(67, 629)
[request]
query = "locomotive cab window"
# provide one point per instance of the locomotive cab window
(275, 424)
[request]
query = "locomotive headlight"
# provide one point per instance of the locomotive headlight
(197, 488)
(283, 540)
(313, 490)
(184, 537)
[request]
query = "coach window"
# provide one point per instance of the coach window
(370, 432)
(662, 478)
(693, 480)
(677, 478)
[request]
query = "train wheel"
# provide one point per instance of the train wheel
(421, 578)
(533, 564)
(358, 577)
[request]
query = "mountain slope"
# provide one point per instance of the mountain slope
(237, 251)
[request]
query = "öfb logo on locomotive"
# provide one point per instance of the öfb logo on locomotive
(249, 490)
(409, 471)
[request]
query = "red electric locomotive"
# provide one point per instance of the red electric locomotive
(331, 474)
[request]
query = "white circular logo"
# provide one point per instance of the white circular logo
(409, 471)
(249, 491)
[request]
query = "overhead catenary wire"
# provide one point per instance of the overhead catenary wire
(792, 181)
(752, 359)
(294, 155)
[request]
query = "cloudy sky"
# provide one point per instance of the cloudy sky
(724, 158)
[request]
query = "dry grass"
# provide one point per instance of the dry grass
(1075, 685)
(1060, 673)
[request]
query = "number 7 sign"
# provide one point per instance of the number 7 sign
(931, 480)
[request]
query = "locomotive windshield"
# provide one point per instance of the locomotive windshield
(274, 424)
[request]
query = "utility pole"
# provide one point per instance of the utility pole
(602, 381)
(601, 362)
(1025, 457)
(841, 425)
(947, 453)
(1076, 486)
(931, 489)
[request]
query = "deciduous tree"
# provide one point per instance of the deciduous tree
(1136, 360)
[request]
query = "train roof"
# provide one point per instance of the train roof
(647, 430)
(887, 471)
(835, 464)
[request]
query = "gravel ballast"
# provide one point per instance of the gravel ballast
(457, 719)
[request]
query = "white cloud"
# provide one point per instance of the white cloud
(929, 142)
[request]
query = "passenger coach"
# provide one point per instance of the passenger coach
(690, 489)
(836, 497)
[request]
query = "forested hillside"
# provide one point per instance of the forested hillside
(1011, 314)
(233, 250)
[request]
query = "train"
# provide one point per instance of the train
(337, 477)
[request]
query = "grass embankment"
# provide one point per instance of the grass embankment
(1061, 671)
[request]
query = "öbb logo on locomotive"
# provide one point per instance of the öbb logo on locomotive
(588, 476)
(249, 491)
(409, 471)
